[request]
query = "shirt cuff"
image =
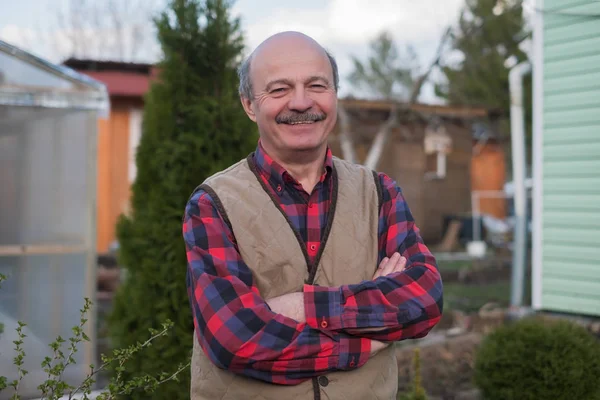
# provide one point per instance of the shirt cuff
(323, 307)
(354, 352)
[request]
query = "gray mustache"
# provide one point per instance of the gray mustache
(299, 117)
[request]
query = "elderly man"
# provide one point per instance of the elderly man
(302, 268)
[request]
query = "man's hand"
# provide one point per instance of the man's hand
(290, 305)
(396, 263)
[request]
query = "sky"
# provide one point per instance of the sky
(344, 27)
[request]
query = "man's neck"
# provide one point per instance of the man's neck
(306, 167)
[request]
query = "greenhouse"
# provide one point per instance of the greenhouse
(48, 133)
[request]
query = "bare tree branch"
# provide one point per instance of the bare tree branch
(416, 90)
(346, 142)
(380, 140)
(121, 30)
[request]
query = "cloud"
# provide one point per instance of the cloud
(353, 22)
(282, 19)
(356, 21)
(345, 27)
(17, 36)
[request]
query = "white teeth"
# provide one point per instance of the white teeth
(298, 123)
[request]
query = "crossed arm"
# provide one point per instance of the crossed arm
(271, 341)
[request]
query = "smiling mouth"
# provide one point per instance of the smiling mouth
(300, 123)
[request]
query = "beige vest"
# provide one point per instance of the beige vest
(271, 248)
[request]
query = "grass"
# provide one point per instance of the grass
(470, 297)
(453, 265)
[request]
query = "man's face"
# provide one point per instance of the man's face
(295, 103)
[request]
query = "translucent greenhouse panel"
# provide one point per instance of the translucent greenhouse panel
(45, 292)
(20, 73)
(44, 196)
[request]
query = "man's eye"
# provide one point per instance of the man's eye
(277, 90)
(317, 86)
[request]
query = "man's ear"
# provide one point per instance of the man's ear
(247, 104)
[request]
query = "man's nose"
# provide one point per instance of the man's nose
(300, 100)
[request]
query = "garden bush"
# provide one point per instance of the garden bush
(536, 359)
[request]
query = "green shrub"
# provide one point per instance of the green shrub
(193, 126)
(535, 359)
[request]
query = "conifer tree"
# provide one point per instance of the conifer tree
(488, 40)
(193, 126)
(489, 33)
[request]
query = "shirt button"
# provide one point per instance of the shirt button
(324, 324)
(313, 247)
(323, 381)
(279, 188)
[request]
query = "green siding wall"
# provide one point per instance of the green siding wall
(571, 158)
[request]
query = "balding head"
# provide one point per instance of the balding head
(289, 88)
(274, 46)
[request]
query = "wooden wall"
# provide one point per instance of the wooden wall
(404, 160)
(488, 172)
(113, 184)
(450, 196)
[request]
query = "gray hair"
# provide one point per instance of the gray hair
(245, 87)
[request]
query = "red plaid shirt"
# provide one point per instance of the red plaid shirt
(238, 331)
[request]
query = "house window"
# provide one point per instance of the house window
(435, 165)
(437, 145)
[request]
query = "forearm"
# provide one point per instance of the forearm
(395, 306)
(299, 351)
(292, 306)
(372, 315)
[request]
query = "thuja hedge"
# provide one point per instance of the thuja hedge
(539, 359)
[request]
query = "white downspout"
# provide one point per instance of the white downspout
(517, 133)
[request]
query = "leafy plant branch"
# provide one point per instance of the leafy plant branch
(54, 387)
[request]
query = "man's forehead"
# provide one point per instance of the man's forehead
(290, 63)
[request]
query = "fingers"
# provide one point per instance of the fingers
(380, 267)
(400, 265)
(396, 263)
(391, 264)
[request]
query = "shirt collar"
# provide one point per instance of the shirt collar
(276, 174)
